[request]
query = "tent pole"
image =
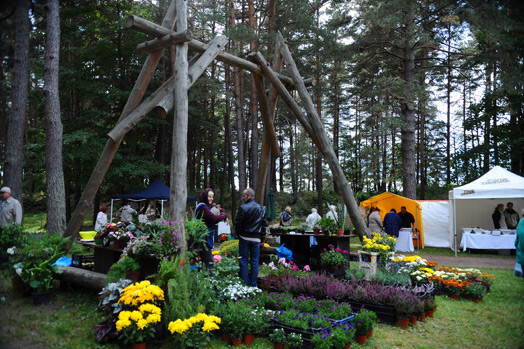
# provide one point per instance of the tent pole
(162, 211)
(454, 221)
(111, 221)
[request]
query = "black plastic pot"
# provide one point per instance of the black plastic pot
(41, 298)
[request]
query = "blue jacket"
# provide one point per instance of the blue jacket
(392, 224)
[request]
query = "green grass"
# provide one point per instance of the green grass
(35, 222)
(497, 322)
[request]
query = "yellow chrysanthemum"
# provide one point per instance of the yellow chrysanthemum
(141, 324)
(214, 319)
(136, 316)
(199, 317)
(209, 326)
(152, 318)
(215, 252)
(178, 326)
(121, 324)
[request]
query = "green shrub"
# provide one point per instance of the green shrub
(229, 248)
(120, 269)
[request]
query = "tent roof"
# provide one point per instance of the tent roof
(155, 191)
(386, 201)
(497, 183)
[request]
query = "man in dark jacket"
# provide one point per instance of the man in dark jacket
(392, 223)
(407, 218)
(250, 227)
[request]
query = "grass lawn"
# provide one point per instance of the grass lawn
(497, 322)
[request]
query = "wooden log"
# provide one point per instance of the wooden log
(266, 117)
(165, 41)
(154, 29)
(197, 63)
(284, 93)
(123, 127)
(214, 48)
(178, 179)
(111, 147)
(324, 143)
(82, 277)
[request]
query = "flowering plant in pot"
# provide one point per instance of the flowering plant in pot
(278, 336)
(294, 340)
(332, 257)
(195, 331)
(363, 323)
(476, 290)
(342, 335)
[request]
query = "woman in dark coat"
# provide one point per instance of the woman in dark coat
(203, 211)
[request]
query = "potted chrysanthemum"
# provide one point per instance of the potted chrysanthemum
(194, 332)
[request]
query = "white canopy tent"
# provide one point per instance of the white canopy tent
(435, 217)
(471, 205)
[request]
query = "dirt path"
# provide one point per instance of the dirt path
(471, 261)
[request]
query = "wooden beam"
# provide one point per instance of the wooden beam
(165, 41)
(284, 93)
(208, 56)
(150, 28)
(324, 143)
(111, 147)
(198, 63)
(82, 277)
(266, 117)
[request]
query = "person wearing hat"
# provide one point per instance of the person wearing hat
(10, 208)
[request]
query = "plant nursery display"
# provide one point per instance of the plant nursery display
(195, 331)
(333, 257)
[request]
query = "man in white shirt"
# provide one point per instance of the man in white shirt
(10, 208)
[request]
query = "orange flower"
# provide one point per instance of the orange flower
(431, 264)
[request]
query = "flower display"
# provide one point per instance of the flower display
(379, 243)
(135, 326)
(167, 240)
(281, 265)
(194, 332)
(141, 292)
(333, 257)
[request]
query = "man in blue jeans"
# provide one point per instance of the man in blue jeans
(250, 227)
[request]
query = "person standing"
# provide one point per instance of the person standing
(499, 222)
(126, 213)
(101, 218)
(333, 213)
(511, 216)
(215, 209)
(250, 227)
(392, 223)
(374, 222)
(408, 221)
(10, 208)
(519, 245)
(313, 218)
(204, 211)
(285, 218)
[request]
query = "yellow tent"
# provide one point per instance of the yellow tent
(386, 201)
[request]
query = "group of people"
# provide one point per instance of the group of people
(250, 228)
(392, 223)
(505, 218)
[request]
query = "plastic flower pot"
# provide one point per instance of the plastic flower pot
(41, 298)
(477, 300)
(133, 275)
(348, 346)
(140, 345)
(429, 313)
(248, 339)
(422, 316)
(370, 333)
(454, 297)
(236, 342)
(225, 337)
(413, 320)
(403, 323)
(279, 345)
(361, 339)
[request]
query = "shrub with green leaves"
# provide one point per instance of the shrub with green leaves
(229, 248)
(120, 269)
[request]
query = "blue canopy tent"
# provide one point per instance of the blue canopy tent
(155, 191)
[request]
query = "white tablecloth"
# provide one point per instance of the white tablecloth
(404, 241)
(488, 242)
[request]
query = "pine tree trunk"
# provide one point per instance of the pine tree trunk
(14, 154)
(56, 219)
(408, 118)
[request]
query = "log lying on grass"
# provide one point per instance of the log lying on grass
(82, 277)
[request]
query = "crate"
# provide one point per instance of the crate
(82, 261)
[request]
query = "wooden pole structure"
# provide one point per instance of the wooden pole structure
(163, 97)
(111, 146)
(178, 185)
(154, 29)
(324, 143)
